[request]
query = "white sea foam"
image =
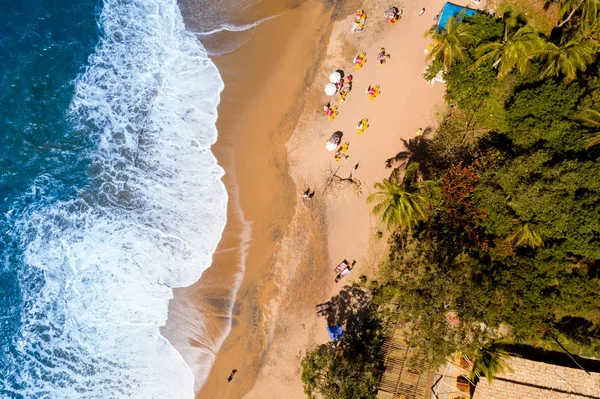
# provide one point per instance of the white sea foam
(101, 267)
(236, 28)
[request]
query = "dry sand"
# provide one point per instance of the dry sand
(272, 146)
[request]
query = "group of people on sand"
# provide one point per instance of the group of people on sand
(307, 194)
(360, 60)
(373, 91)
(330, 112)
(343, 86)
(393, 14)
(341, 152)
(360, 19)
(362, 125)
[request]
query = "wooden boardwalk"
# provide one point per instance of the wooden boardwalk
(406, 376)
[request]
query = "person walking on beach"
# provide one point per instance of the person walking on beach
(421, 11)
(305, 195)
(231, 375)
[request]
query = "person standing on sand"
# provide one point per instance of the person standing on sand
(422, 11)
(231, 375)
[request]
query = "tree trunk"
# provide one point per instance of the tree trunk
(569, 16)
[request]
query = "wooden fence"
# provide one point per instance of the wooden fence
(406, 376)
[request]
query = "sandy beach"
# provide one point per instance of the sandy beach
(278, 248)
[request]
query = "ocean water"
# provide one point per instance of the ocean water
(109, 194)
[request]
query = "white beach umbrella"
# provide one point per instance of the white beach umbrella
(330, 89)
(335, 77)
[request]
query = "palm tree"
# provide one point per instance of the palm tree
(590, 117)
(490, 361)
(414, 159)
(412, 175)
(450, 43)
(514, 51)
(569, 58)
(525, 236)
(589, 10)
(570, 6)
(397, 206)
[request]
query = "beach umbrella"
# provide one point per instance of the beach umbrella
(333, 141)
(330, 89)
(335, 77)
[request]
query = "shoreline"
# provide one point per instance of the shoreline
(267, 192)
(262, 122)
(271, 151)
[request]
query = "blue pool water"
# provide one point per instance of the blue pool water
(109, 194)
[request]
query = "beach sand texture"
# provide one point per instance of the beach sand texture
(279, 248)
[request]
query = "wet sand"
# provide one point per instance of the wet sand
(262, 100)
(277, 247)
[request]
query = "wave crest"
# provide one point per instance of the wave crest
(99, 269)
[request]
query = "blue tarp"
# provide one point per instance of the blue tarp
(335, 332)
(451, 11)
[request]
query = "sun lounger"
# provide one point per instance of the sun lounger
(343, 265)
(343, 274)
(323, 306)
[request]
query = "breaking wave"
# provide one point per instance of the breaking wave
(96, 269)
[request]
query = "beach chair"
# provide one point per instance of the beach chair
(343, 273)
(322, 306)
(343, 265)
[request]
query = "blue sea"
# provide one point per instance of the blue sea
(109, 194)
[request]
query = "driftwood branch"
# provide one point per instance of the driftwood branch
(334, 177)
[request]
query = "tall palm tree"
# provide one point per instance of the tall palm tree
(514, 51)
(588, 14)
(568, 6)
(590, 117)
(490, 361)
(397, 206)
(525, 236)
(449, 45)
(569, 58)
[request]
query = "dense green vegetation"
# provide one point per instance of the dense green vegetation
(495, 220)
(510, 244)
(350, 367)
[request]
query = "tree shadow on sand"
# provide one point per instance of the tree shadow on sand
(415, 150)
(351, 308)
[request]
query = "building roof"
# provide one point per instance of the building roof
(537, 380)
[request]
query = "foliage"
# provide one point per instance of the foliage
(490, 361)
(352, 367)
(329, 372)
(450, 44)
(397, 206)
(525, 236)
(569, 58)
(513, 52)
(590, 117)
(457, 215)
(512, 235)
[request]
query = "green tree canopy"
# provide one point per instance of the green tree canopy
(569, 58)
(449, 45)
(397, 206)
(513, 52)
